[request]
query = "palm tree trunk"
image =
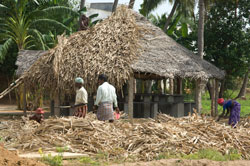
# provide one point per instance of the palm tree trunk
(201, 28)
(244, 85)
(131, 4)
(82, 3)
(114, 5)
(170, 16)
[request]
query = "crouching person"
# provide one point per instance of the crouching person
(39, 115)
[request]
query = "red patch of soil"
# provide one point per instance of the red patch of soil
(8, 158)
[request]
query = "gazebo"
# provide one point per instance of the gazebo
(125, 46)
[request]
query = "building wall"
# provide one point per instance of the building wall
(103, 9)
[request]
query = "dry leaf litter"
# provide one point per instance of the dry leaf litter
(144, 139)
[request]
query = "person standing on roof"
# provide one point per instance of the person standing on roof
(81, 100)
(105, 100)
(232, 107)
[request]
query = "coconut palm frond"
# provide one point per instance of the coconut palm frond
(4, 48)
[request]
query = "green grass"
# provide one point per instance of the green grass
(53, 160)
(89, 161)
(245, 104)
(209, 154)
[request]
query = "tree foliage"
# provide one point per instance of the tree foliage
(227, 38)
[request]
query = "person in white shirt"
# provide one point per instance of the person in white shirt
(81, 99)
(105, 100)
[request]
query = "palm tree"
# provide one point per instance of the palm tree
(26, 28)
(114, 5)
(131, 4)
(185, 7)
(201, 28)
(25, 25)
(82, 4)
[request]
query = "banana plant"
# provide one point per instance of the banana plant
(25, 28)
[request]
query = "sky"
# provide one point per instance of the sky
(165, 7)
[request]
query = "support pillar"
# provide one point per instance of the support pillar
(171, 86)
(57, 104)
(131, 97)
(198, 95)
(24, 101)
(212, 97)
(216, 96)
(179, 86)
(52, 107)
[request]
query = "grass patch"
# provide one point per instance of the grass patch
(209, 154)
(89, 161)
(53, 160)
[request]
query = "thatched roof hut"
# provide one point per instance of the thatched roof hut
(123, 44)
(164, 57)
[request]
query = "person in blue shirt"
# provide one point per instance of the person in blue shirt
(232, 107)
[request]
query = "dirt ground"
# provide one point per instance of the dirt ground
(8, 158)
(177, 162)
(169, 162)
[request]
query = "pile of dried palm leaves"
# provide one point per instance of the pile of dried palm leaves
(142, 139)
(109, 47)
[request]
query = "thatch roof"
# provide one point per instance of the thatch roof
(26, 58)
(165, 57)
(118, 46)
(109, 47)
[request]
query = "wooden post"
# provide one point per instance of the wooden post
(52, 107)
(179, 86)
(216, 96)
(165, 86)
(131, 97)
(24, 101)
(57, 104)
(212, 97)
(171, 86)
(198, 95)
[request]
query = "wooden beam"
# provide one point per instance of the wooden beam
(147, 76)
(212, 97)
(171, 86)
(216, 96)
(179, 86)
(198, 95)
(57, 104)
(52, 107)
(131, 97)
(24, 101)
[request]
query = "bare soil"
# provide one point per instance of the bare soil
(177, 162)
(8, 158)
(168, 162)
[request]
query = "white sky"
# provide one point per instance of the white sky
(163, 8)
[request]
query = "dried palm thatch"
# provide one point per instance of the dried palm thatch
(109, 47)
(144, 139)
(165, 57)
(124, 43)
